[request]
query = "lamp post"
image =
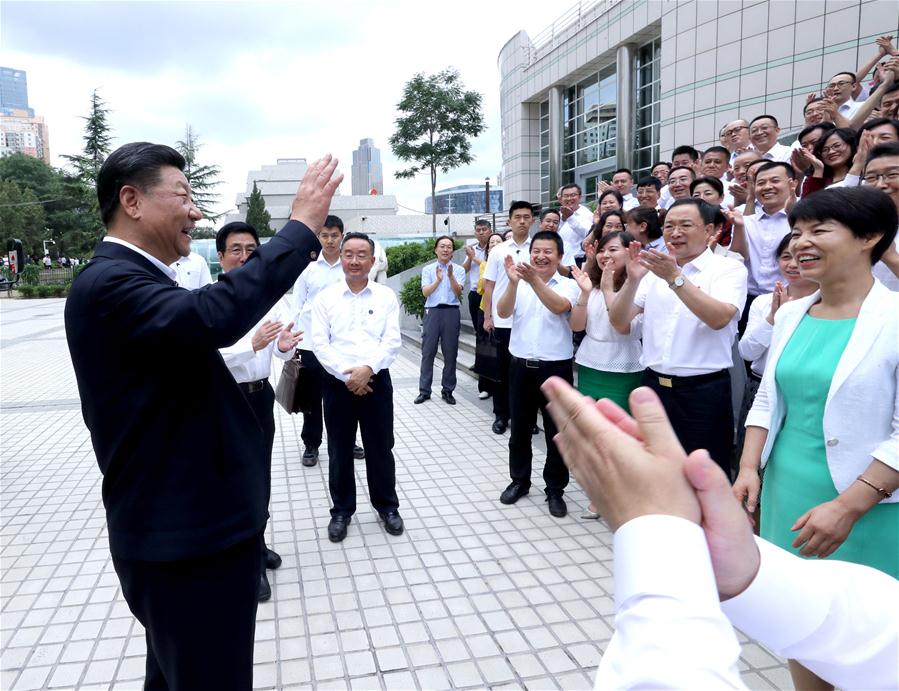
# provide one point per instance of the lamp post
(487, 195)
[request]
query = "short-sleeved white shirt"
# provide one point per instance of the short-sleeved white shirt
(537, 333)
(496, 272)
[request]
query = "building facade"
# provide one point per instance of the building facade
(466, 199)
(620, 83)
(366, 173)
(20, 131)
(14, 91)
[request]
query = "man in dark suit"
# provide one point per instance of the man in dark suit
(183, 469)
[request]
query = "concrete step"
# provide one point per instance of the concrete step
(465, 356)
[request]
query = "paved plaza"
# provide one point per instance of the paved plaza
(474, 594)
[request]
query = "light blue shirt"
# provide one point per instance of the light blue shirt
(444, 294)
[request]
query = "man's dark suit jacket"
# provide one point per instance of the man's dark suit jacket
(182, 456)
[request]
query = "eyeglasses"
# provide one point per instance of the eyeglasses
(731, 133)
(836, 146)
(836, 85)
(874, 178)
(238, 251)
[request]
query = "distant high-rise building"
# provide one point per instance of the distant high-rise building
(14, 91)
(366, 170)
(20, 130)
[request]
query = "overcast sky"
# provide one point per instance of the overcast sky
(262, 80)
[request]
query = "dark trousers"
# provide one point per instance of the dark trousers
(312, 422)
(263, 404)
(701, 413)
(199, 615)
(477, 323)
(373, 414)
(439, 325)
(525, 397)
(744, 317)
(501, 388)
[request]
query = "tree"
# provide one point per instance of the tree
(97, 142)
(69, 205)
(202, 179)
(22, 217)
(257, 216)
(438, 119)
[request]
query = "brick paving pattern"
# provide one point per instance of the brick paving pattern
(474, 594)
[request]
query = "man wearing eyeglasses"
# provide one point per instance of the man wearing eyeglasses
(839, 89)
(736, 136)
(882, 172)
(250, 362)
(763, 133)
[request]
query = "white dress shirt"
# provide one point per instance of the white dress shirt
(537, 333)
(665, 197)
(603, 348)
(763, 234)
(192, 272)
(883, 273)
(496, 272)
(378, 272)
(474, 271)
(247, 365)
(778, 152)
(317, 276)
(165, 268)
(676, 341)
(444, 294)
(354, 329)
(630, 202)
(848, 181)
(574, 229)
(670, 631)
(757, 338)
(849, 108)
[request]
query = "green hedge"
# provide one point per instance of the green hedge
(409, 254)
(411, 297)
(48, 290)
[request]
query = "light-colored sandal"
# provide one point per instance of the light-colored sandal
(590, 515)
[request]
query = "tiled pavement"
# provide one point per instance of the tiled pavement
(473, 595)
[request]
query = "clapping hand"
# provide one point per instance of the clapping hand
(509, 265)
(439, 272)
(779, 297)
(288, 339)
(526, 272)
(582, 279)
(635, 268)
(662, 265)
(469, 251)
(265, 334)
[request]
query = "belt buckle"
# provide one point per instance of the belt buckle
(532, 364)
(666, 382)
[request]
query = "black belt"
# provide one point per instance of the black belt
(670, 381)
(444, 307)
(533, 363)
(252, 386)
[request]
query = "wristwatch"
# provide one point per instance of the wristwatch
(677, 282)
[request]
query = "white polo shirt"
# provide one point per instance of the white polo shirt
(574, 229)
(496, 272)
(537, 333)
(676, 341)
(763, 234)
(630, 202)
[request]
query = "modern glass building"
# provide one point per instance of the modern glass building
(14, 91)
(620, 83)
(466, 199)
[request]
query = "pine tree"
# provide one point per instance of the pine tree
(203, 179)
(97, 142)
(257, 216)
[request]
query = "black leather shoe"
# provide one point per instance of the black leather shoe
(358, 452)
(393, 522)
(264, 591)
(272, 559)
(514, 492)
(448, 397)
(337, 528)
(421, 398)
(310, 456)
(557, 505)
(499, 425)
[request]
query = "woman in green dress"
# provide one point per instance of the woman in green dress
(825, 415)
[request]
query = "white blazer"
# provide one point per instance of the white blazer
(861, 414)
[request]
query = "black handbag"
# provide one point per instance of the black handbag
(294, 390)
(486, 357)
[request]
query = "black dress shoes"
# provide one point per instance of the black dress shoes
(393, 522)
(358, 452)
(421, 398)
(337, 528)
(448, 397)
(557, 505)
(499, 425)
(310, 456)
(264, 591)
(514, 492)
(272, 559)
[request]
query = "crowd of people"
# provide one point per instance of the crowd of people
(750, 285)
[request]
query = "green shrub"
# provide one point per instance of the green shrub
(411, 297)
(31, 275)
(48, 290)
(6, 273)
(25, 291)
